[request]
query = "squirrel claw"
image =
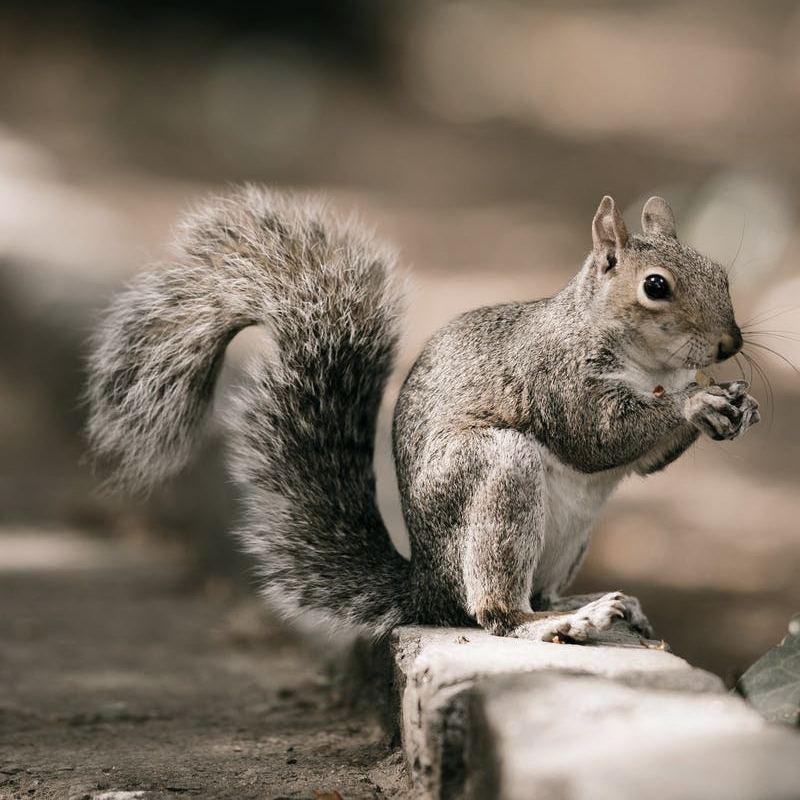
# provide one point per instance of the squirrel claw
(655, 644)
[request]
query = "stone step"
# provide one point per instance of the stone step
(489, 717)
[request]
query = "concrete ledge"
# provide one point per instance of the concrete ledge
(486, 717)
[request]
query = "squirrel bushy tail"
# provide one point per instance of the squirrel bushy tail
(303, 429)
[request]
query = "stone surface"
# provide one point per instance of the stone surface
(551, 735)
(452, 655)
(508, 718)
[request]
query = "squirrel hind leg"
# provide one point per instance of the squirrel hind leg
(517, 623)
(578, 625)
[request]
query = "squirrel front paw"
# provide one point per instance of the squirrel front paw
(722, 410)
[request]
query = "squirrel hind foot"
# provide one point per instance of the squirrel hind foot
(547, 626)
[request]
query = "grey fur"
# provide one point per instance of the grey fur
(512, 429)
(303, 430)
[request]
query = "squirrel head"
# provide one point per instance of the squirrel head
(672, 303)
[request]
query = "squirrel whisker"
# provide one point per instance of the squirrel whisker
(767, 316)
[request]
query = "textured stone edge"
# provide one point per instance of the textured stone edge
(481, 716)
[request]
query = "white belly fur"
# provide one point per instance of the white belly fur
(572, 501)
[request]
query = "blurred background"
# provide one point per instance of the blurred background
(479, 137)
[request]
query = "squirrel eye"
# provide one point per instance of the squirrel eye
(656, 287)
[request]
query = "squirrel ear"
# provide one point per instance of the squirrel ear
(657, 218)
(609, 234)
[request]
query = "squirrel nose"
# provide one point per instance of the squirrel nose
(729, 343)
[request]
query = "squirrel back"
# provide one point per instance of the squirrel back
(302, 431)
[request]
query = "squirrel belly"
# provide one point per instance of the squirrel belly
(511, 430)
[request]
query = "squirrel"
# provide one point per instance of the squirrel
(513, 427)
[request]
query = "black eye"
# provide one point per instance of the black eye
(656, 287)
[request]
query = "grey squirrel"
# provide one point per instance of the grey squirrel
(512, 429)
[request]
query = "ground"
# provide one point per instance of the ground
(118, 677)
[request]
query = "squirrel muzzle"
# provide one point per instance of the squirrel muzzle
(729, 343)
